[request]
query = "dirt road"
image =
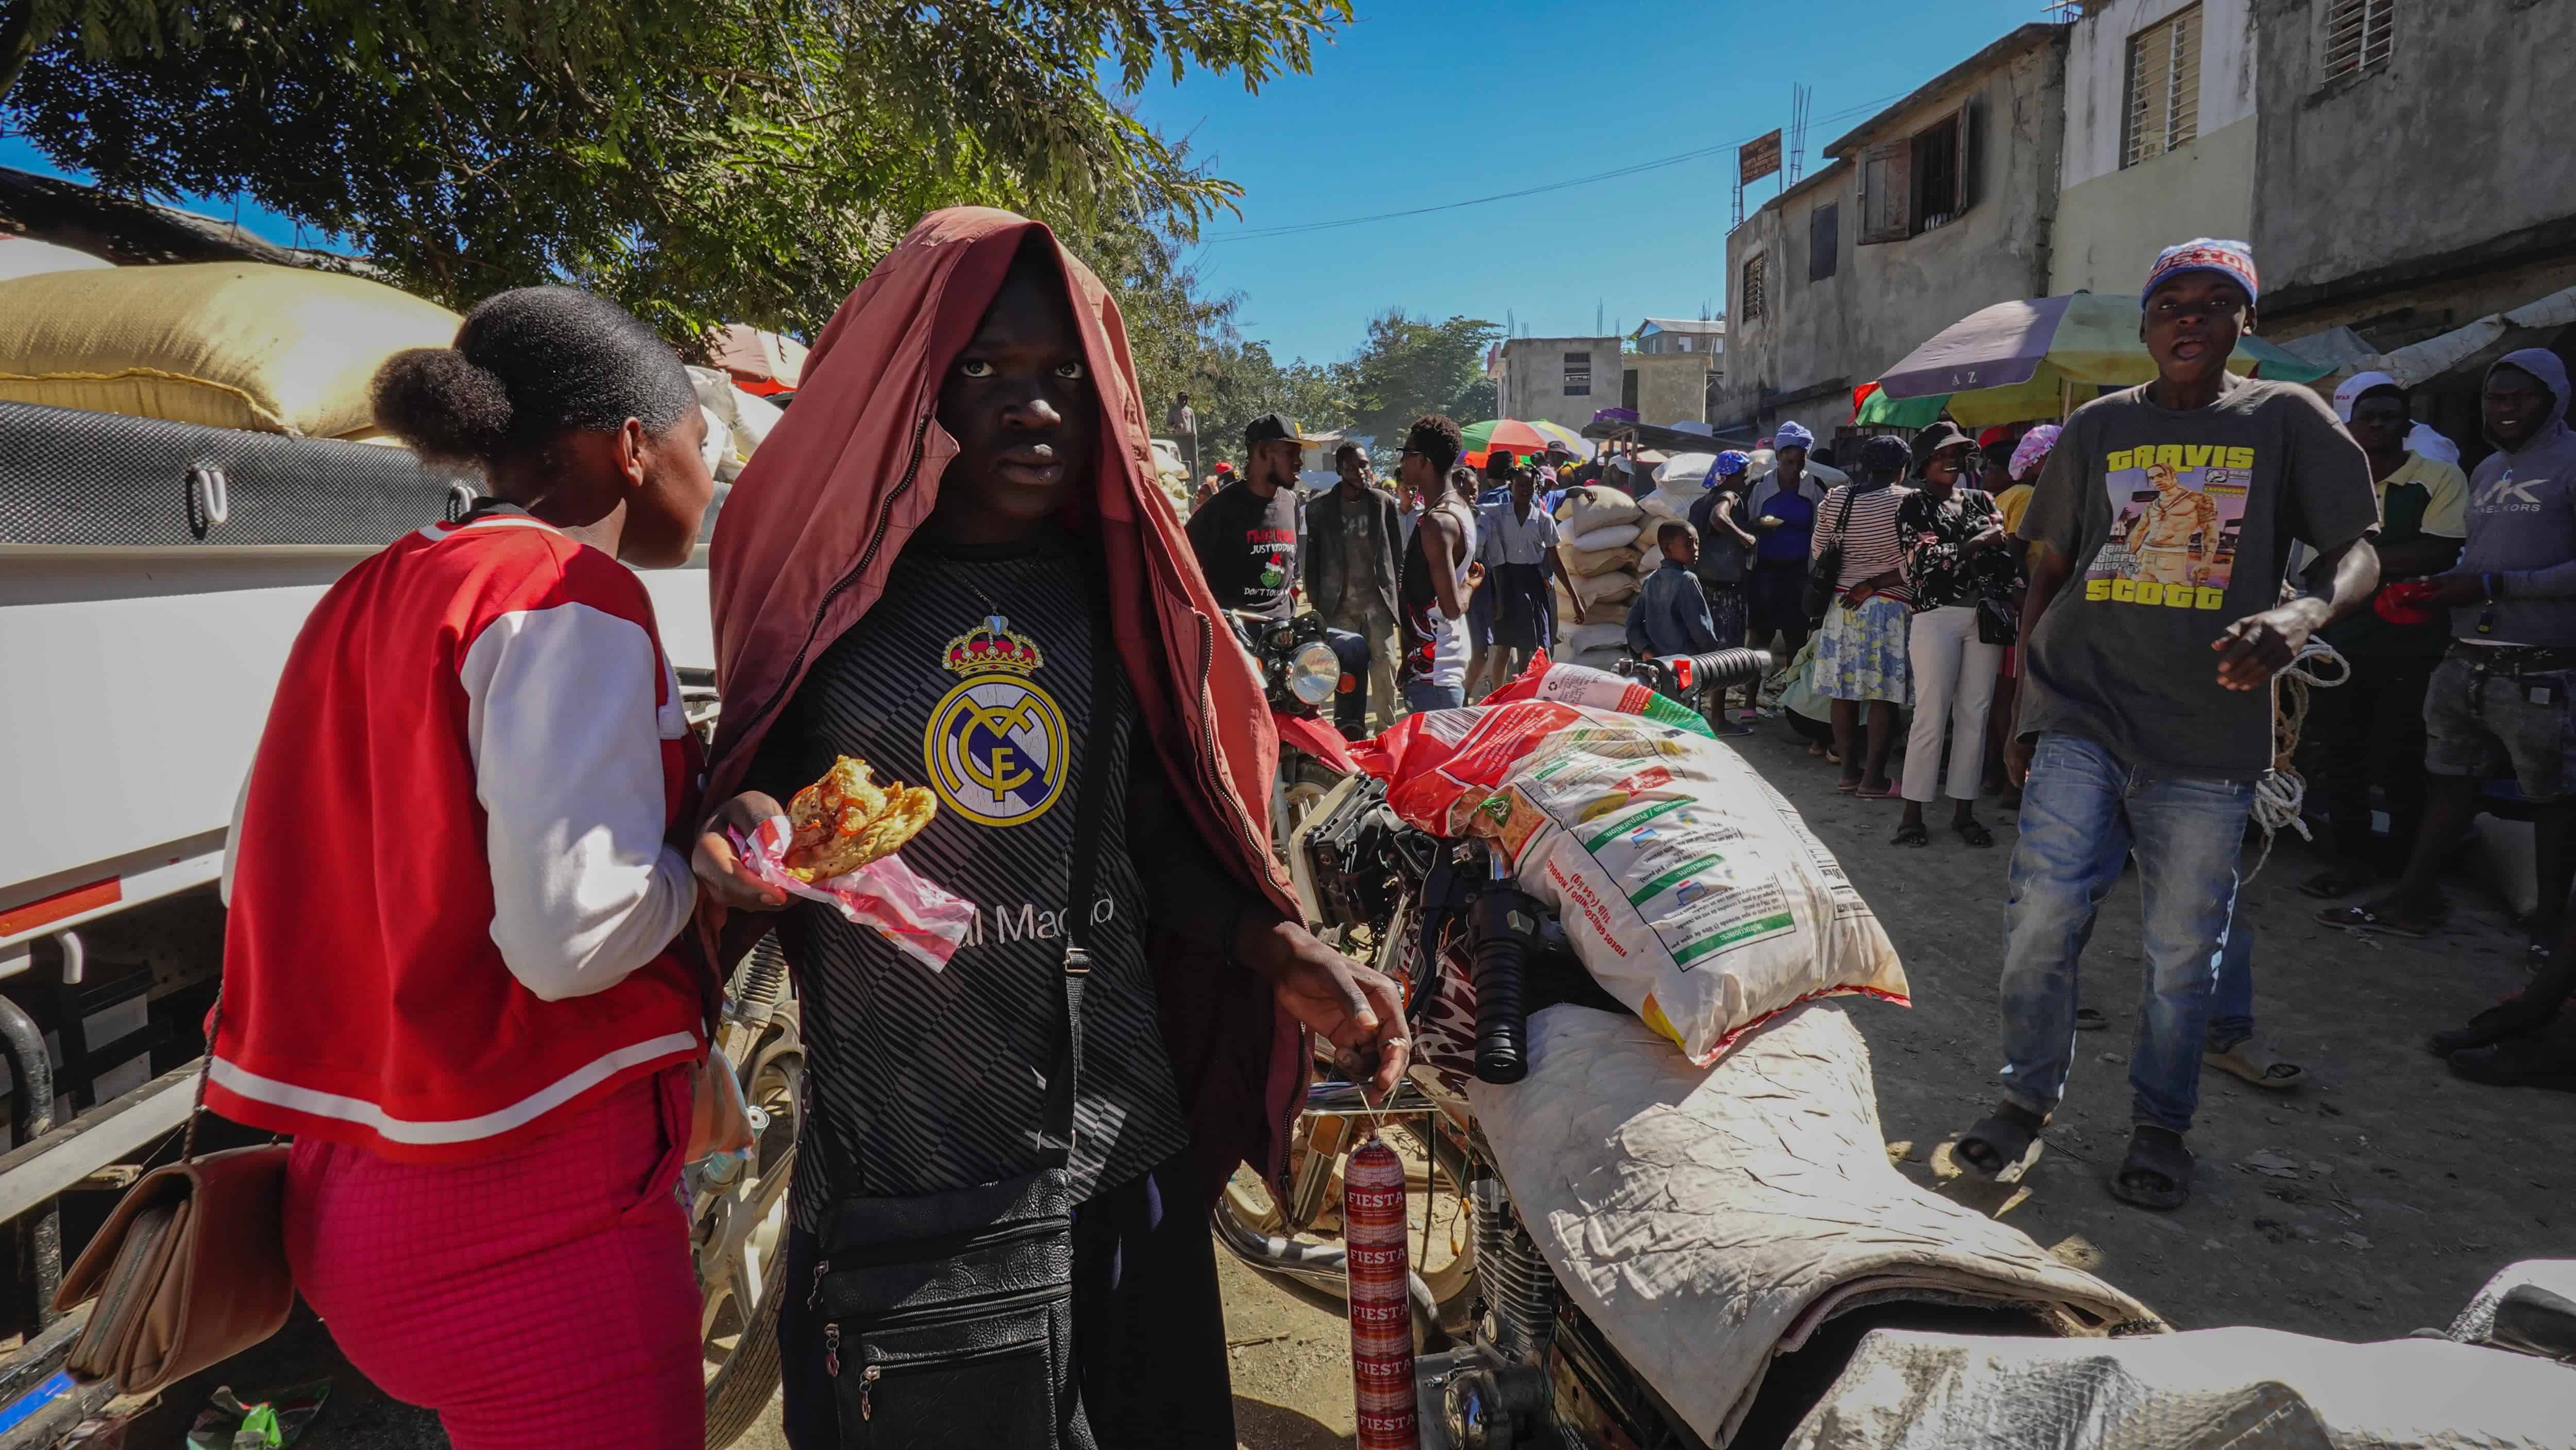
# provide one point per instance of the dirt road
(2371, 1202)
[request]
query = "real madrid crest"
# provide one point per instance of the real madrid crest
(996, 748)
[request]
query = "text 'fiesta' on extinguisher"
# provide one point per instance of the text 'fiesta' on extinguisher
(1502, 924)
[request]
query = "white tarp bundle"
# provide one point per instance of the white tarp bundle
(2251, 1389)
(1708, 1218)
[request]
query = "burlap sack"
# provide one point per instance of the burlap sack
(234, 344)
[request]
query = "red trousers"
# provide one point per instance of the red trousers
(542, 1299)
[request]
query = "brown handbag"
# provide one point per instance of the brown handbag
(190, 1269)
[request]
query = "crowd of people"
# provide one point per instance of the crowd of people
(1931, 598)
(480, 966)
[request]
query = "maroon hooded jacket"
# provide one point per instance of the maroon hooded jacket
(802, 550)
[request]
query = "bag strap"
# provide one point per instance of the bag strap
(1090, 806)
(214, 1027)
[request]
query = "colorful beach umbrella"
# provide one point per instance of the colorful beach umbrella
(1520, 438)
(2014, 361)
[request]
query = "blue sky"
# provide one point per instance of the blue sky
(1404, 111)
(1420, 104)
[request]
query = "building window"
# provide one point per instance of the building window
(1578, 375)
(1628, 389)
(1936, 174)
(1752, 302)
(1824, 243)
(1918, 182)
(2164, 86)
(2360, 35)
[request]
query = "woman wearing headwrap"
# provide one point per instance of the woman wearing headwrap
(967, 464)
(1782, 507)
(1726, 549)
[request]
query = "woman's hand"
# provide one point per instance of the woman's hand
(720, 872)
(1358, 1010)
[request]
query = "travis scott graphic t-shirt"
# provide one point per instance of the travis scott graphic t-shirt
(973, 676)
(2178, 524)
(1247, 546)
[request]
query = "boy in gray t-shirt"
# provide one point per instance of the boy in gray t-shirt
(2160, 532)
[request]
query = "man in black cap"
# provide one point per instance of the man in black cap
(1246, 535)
(1246, 539)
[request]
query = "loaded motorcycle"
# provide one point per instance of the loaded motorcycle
(1512, 1350)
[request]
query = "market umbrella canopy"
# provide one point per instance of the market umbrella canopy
(1509, 433)
(2084, 337)
(760, 362)
(2012, 362)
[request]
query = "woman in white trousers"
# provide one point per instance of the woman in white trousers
(1954, 556)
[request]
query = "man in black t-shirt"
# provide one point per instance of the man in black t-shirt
(1246, 539)
(1246, 536)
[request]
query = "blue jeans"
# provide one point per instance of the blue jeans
(2231, 1009)
(2082, 813)
(1350, 707)
(1422, 695)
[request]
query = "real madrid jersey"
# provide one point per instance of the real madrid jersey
(974, 676)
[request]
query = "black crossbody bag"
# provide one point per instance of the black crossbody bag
(948, 1317)
(1825, 573)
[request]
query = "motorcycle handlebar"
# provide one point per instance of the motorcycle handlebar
(1719, 668)
(1501, 963)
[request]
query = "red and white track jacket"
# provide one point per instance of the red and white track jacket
(451, 897)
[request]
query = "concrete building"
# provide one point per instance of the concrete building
(2160, 137)
(1941, 204)
(1668, 387)
(1555, 379)
(1659, 335)
(2417, 160)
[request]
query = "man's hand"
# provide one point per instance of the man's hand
(2259, 646)
(1358, 1010)
(720, 872)
(2017, 753)
(2453, 589)
(1581, 615)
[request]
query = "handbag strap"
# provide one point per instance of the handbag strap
(1090, 808)
(214, 1027)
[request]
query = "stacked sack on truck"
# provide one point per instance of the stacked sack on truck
(1691, 890)
(233, 344)
(1605, 535)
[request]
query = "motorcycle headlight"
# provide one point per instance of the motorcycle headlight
(1314, 673)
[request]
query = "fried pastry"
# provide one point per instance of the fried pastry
(846, 820)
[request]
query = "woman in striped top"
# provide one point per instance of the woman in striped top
(1860, 654)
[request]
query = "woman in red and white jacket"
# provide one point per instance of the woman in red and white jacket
(447, 969)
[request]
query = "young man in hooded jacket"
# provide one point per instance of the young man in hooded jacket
(2498, 704)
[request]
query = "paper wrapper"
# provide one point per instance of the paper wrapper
(927, 922)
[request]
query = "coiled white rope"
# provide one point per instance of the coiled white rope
(2282, 793)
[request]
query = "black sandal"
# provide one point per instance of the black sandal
(2157, 1172)
(2090, 1019)
(1911, 833)
(2500, 1023)
(2521, 1062)
(1974, 832)
(2000, 1143)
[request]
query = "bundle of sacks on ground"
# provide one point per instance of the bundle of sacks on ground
(1609, 545)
